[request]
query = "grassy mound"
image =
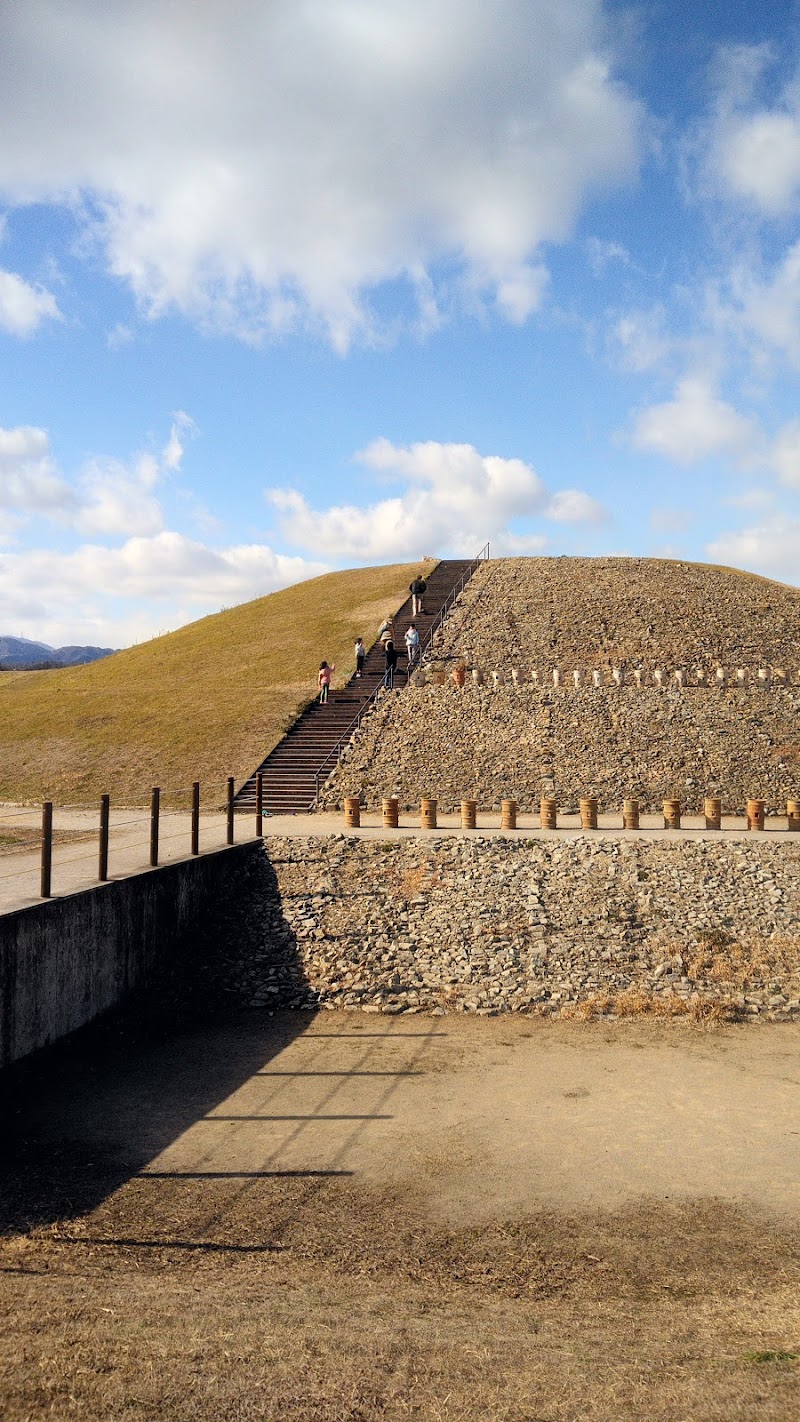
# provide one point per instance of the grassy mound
(202, 703)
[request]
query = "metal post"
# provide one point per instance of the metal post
(230, 809)
(47, 848)
(102, 867)
(155, 805)
(259, 805)
(196, 817)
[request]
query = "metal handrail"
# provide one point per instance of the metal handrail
(336, 751)
(456, 592)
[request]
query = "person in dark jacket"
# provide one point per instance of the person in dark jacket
(417, 589)
(391, 662)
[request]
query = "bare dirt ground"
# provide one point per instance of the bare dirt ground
(349, 1217)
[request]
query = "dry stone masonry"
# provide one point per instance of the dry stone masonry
(580, 927)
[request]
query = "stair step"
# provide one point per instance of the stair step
(289, 772)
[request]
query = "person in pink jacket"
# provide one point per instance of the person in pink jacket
(324, 680)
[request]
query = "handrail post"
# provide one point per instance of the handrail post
(229, 836)
(47, 849)
(155, 805)
(196, 817)
(259, 806)
(102, 866)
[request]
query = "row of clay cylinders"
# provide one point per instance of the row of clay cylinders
(712, 812)
(428, 813)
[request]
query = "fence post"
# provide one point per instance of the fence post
(259, 806)
(155, 807)
(47, 848)
(102, 868)
(230, 810)
(196, 817)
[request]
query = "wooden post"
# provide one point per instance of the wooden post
(229, 836)
(391, 813)
(547, 814)
(428, 814)
(196, 817)
(352, 811)
(102, 865)
(155, 810)
(672, 814)
(259, 805)
(793, 815)
(589, 813)
(508, 814)
(713, 813)
(469, 811)
(755, 814)
(630, 814)
(47, 849)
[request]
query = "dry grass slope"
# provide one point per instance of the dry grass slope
(205, 702)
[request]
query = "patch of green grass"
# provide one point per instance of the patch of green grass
(202, 703)
(772, 1355)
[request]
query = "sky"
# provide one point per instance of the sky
(295, 285)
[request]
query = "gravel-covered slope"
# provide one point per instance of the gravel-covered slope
(488, 742)
(587, 612)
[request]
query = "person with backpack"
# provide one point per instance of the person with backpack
(417, 588)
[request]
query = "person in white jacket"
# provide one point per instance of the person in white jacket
(412, 644)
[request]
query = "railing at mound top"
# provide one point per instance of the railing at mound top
(335, 753)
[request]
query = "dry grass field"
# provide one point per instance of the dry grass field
(335, 1220)
(202, 703)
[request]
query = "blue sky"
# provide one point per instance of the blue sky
(305, 284)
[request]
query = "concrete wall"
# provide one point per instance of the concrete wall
(65, 961)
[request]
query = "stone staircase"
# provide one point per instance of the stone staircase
(289, 774)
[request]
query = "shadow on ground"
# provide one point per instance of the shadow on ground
(82, 1117)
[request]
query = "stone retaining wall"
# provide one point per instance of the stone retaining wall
(584, 926)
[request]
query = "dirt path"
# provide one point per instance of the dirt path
(475, 1119)
(342, 1218)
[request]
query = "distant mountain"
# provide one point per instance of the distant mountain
(19, 654)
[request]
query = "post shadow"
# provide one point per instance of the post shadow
(80, 1118)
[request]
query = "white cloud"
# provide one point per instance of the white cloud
(119, 336)
(760, 160)
(111, 596)
(454, 498)
(785, 457)
(601, 253)
(695, 425)
(119, 501)
(638, 341)
(771, 547)
(172, 453)
(29, 480)
(261, 165)
(107, 497)
(574, 506)
(23, 307)
(767, 307)
(753, 145)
